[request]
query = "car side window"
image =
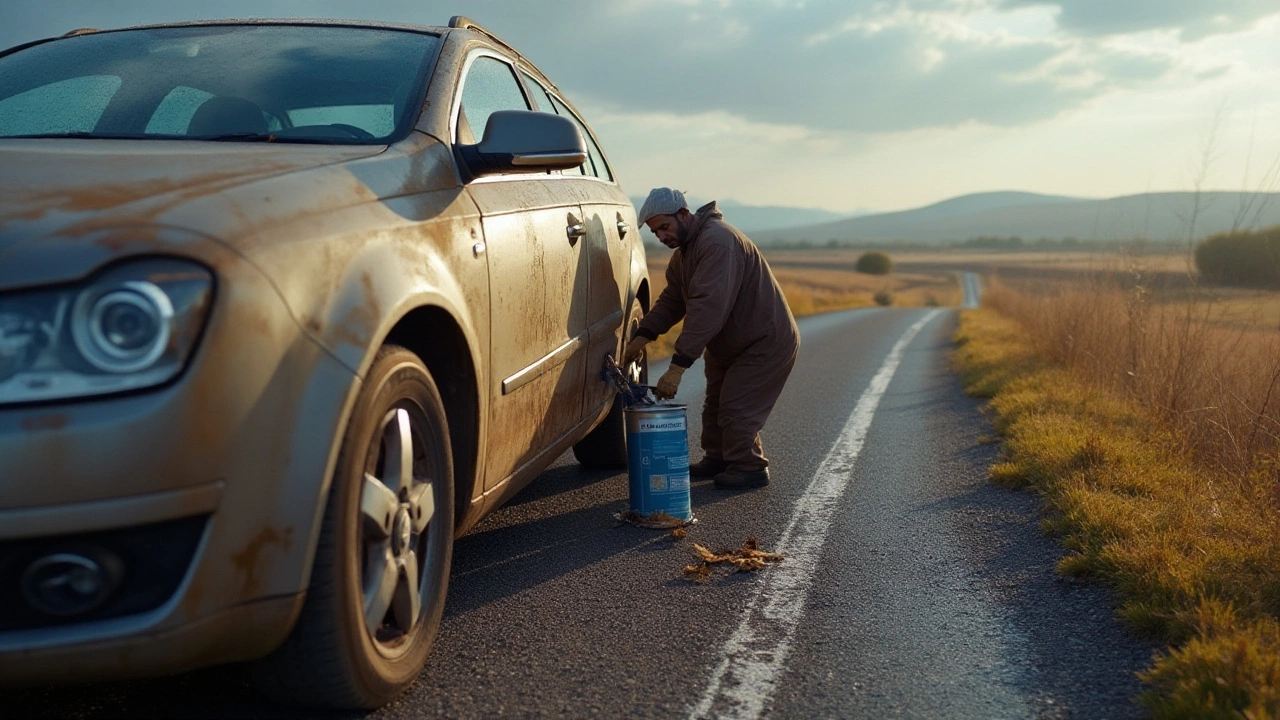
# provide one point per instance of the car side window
(540, 94)
(594, 156)
(543, 98)
(67, 106)
(491, 85)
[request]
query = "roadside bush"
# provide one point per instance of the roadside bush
(1215, 380)
(884, 298)
(1241, 258)
(874, 263)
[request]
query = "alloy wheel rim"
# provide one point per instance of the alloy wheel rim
(396, 508)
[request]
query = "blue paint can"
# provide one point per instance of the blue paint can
(658, 459)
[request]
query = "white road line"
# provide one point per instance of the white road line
(756, 653)
(972, 290)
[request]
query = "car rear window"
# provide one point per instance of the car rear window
(292, 82)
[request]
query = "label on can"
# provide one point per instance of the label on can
(661, 425)
(658, 455)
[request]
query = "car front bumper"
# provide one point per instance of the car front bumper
(218, 480)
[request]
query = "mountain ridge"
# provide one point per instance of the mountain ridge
(1161, 217)
(761, 218)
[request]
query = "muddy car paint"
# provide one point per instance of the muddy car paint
(169, 449)
(321, 254)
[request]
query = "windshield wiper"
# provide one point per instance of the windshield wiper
(236, 137)
(262, 137)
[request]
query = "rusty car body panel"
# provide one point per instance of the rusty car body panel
(320, 255)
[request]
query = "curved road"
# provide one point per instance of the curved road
(911, 586)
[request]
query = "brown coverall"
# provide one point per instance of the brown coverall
(734, 310)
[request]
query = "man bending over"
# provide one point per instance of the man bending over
(735, 317)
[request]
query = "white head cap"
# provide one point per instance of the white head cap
(662, 201)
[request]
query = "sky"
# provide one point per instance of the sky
(861, 105)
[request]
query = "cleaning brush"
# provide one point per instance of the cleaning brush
(632, 393)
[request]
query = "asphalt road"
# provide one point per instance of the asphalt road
(911, 586)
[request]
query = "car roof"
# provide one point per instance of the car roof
(332, 22)
(456, 23)
(319, 22)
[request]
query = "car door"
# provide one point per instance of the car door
(609, 220)
(534, 241)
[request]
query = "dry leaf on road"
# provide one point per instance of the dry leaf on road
(747, 558)
(698, 573)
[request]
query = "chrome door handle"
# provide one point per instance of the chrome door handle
(576, 231)
(623, 228)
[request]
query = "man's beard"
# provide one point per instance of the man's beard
(682, 235)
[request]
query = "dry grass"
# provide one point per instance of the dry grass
(1144, 422)
(1207, 364)
(811, 289)
(1029, 263)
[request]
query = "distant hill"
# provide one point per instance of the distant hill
(1161, 217)
(758, 218)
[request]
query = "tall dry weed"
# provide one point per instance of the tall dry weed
(1217, 382)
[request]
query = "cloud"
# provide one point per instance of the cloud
(830, 65)
(1193, 19)
(860, 66)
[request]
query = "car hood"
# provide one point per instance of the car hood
(62, 192)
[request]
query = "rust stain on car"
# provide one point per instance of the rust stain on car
(31, 203)
(249, 560)
(370, 294)
(358, 325)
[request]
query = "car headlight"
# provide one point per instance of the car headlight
(131, 327)
(122, 328)
(20, 339)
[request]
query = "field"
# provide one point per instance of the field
(823, 281)
(819, 288)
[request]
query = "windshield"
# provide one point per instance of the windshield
(286, 83)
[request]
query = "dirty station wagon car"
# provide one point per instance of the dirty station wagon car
(285, 307)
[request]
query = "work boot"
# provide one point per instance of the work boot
(734, 479)
(707, 467)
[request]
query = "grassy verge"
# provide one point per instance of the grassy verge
(1193, 551)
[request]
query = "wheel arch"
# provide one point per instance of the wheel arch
(642, 294)
(432, 334)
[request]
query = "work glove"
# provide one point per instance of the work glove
(634, 349)
(669, 382)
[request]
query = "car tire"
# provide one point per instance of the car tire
(605, 447)
(361, 639)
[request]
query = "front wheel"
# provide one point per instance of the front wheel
(605, 448)
(381, 572)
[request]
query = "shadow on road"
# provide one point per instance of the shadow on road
(563, 521)
(221, 692)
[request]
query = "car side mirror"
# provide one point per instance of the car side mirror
(523, 141)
